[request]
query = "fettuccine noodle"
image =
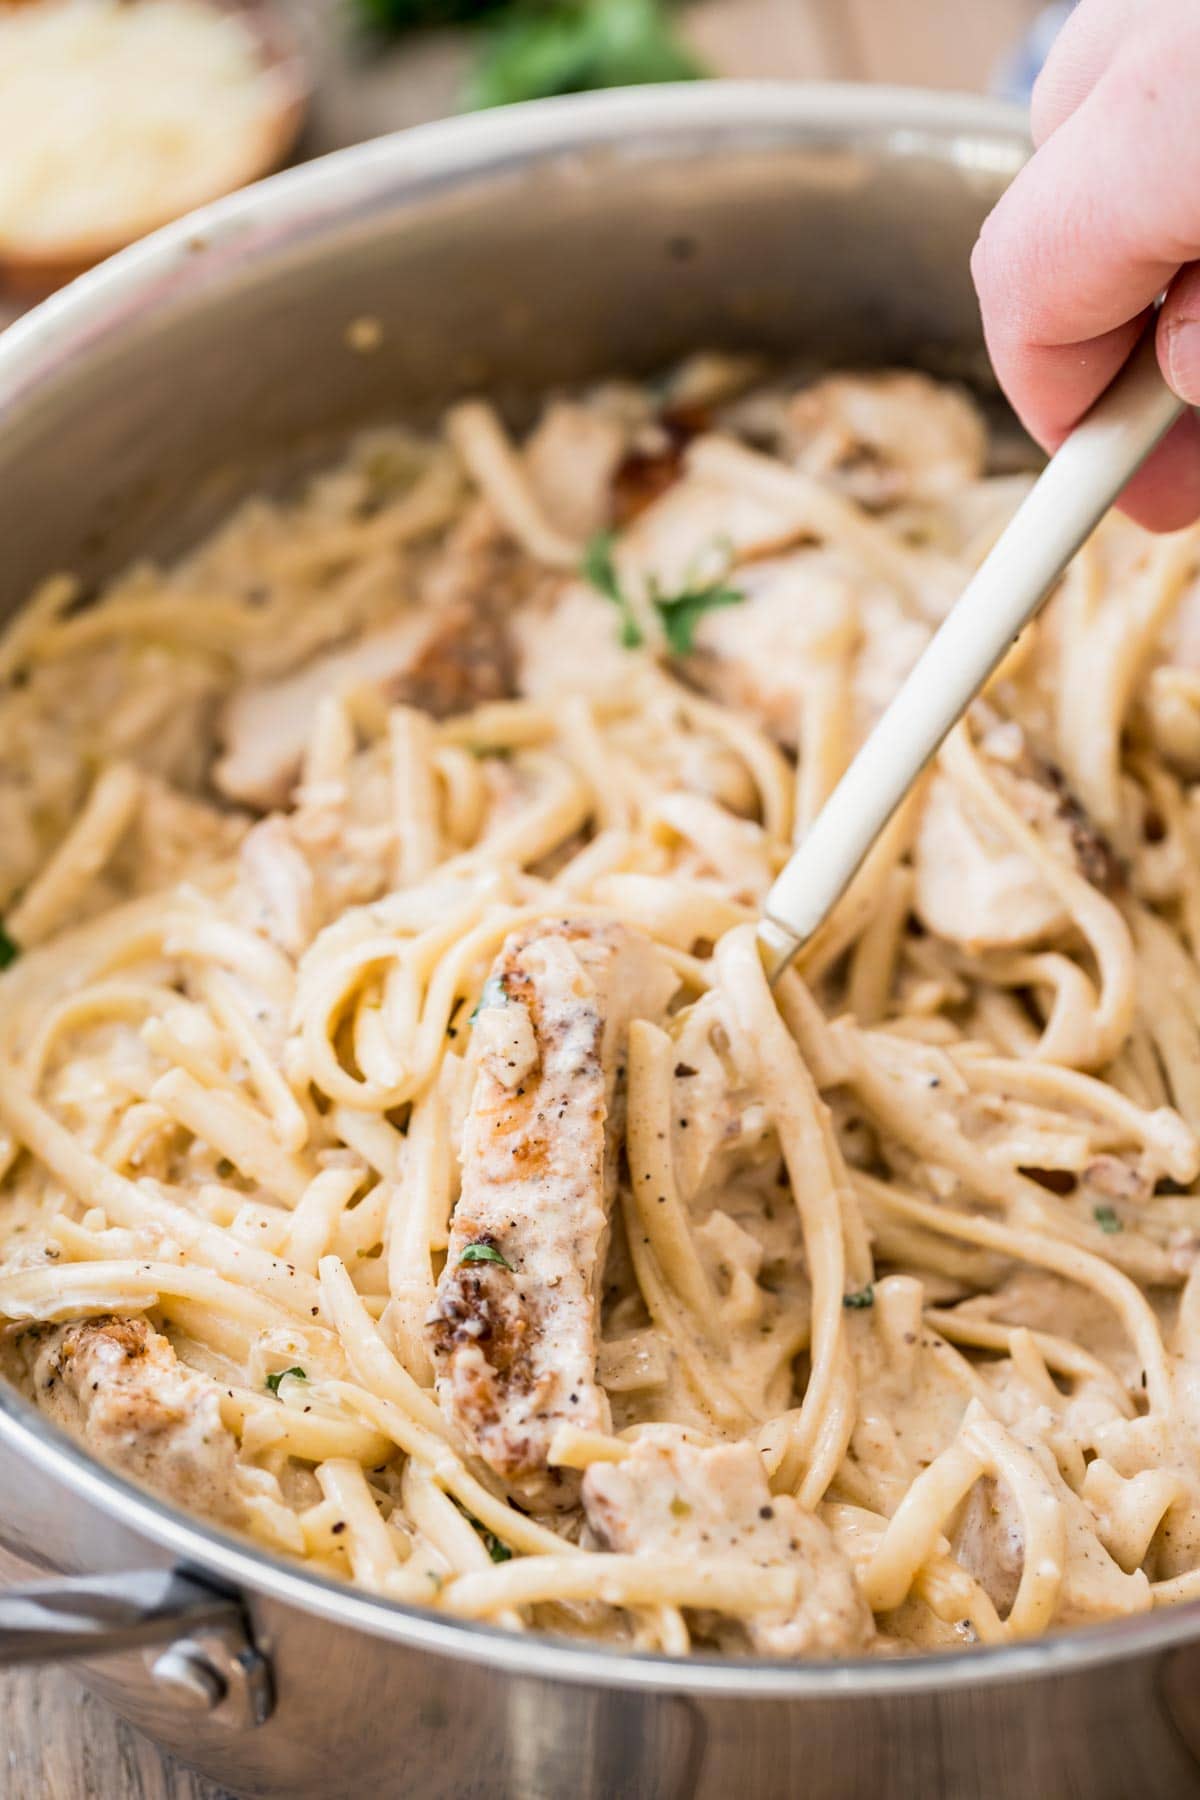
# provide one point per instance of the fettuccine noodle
(403, 1157)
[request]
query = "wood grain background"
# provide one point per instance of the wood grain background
(56, 1741)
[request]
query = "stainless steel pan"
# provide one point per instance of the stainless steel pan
(511, 251)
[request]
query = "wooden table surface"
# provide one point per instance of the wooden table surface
(57, 1742)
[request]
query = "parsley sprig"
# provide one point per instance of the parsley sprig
(485, 1253)
(9, 947)
(494, 993)
(679, 613)
(496, 1548)
(273, 1381)
(600, 569)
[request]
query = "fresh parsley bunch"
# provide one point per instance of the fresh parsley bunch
(533, 48)
(567, 49)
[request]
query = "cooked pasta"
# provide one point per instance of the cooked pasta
(404, 1159)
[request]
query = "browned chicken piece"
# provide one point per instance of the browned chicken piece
(569, 642)
(989, 1542)
(446, 653)
(516, 1325)
(889, 438)
(973, 886)
(442, 661)
(796, 610)
(671, 1496)
(276, 889)
(117, 1386)
(572, 457)
(172, 834)
(701, 523)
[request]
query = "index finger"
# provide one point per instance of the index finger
(1083, 242)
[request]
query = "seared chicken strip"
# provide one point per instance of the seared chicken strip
(445, 653)
(117, 1386)
(801, 612)
(442, 662)
(889, 438)
(674, 1497)
(977, 889)
(515, 1329)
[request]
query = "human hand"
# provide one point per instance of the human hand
(1104, 217)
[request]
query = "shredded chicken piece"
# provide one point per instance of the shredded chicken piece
(567, 641)
(753, 656)
(572, 458)
(889, 438)
(972, 886)
(447, 652)
(117, 1385)
(515, 1340)
(277, 886)
(677, 1497)
(989, 1542)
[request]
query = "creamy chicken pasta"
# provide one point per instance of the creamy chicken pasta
(405, 1161)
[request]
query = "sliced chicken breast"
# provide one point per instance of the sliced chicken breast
(674, 1496)
(889, 438)
(800, 614)
(973, 886)
(442, 661)
(572, 458)
(444, 653)
(117, 1386)
(515, 1328)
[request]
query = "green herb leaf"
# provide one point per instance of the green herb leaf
(1107, 1219)
(600, 569)
(494, 993)
(498, 1551)
(9, 948)
(416, 15)
(567, 48)
(225, 1168)
(273, 1381)
(679, 1509)
(680, 613)
(862, 1297)
(485, 1253)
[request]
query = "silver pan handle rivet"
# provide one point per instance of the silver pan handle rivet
(190, 1677)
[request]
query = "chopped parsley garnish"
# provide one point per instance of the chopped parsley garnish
(679, 1509)
(273, 1381)
(864, 1296)
(1107, 1219)
(225, 1168)
(601, 571)
(494, 994)
(496, 1549)
(9, 947)
(481, 1253)
(679, 613)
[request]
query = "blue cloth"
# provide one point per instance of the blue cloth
(1016, 75)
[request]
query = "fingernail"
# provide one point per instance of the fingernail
(1183, 359)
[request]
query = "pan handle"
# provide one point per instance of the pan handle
(209, 1661)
